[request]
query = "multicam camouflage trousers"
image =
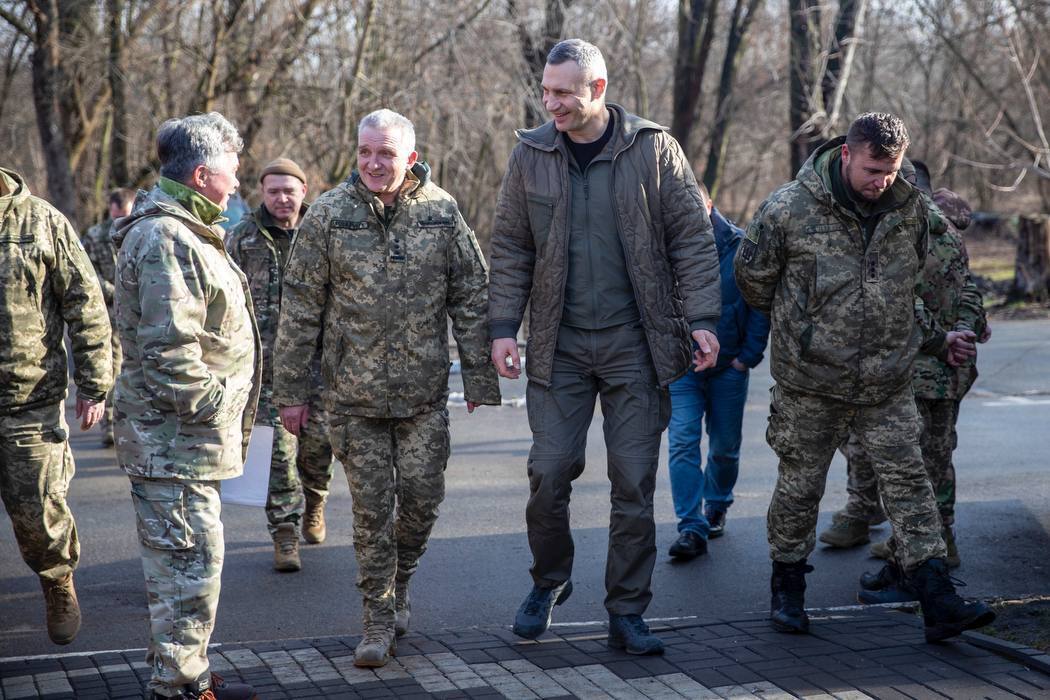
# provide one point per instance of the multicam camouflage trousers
(106, 424)
(299, 467)
(396, 471)
(804, 430)
(36, 466)
(182, 547)
(937, 441)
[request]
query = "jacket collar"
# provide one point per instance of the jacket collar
(814, 175)
(628, 126)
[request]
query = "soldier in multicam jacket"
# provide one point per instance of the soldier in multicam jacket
(300, 469)
(187, 393)
(949, 293)
(834, 257)
(379, 265)
(46, 286)
(98, 242)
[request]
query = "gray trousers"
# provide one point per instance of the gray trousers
(613, 364)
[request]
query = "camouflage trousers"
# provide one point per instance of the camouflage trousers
(396, 471)
(106, 424)
(36, 466)
(938, 441)
(181, 541)
(804, 430)
(299, 467)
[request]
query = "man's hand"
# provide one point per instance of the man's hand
(502, 348)
(471, 406)
(90, 412)
(707, 355)
(293, 418)
(986, 334)
(960, 347)
(738, 365)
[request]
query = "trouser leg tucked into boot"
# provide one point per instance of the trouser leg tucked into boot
(945, 613)
(788, 604)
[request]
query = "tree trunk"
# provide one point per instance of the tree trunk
(118, 147)
(696, 21)
(804, 21)
(1032, 267)
(535, 54)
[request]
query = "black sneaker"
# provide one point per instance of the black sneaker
(534, 615)
(945, 614)
(689, 545)
(788, 603)
(630, 633)
(716, 520)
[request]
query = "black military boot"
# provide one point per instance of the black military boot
(788, 606)
(211, 686)
(887, 585)
(945, 614)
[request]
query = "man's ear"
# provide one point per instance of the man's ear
(412, 158)
(599, 87)
(845, 154)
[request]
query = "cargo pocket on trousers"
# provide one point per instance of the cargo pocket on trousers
(779, 432)
(59, 462)
(160, 515)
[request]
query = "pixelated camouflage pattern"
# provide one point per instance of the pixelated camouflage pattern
(187, 395)
(380, 294)
(46, 285)
(846, 320)
(957, 209)
(396, 471)
(949, 293)
(862, 486)
(36, 466)
(102, 252)
(182, 549)
(805, 429)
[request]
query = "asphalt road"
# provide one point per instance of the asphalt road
(476, 570)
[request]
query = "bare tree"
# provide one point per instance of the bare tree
(696, 26)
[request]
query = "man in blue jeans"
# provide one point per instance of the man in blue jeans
(717, 394)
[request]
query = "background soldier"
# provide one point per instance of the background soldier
(187, 396)
(599, 227)
(46, 284)
(380, 264)
(98, 242)
(300, 469)
(834, 257)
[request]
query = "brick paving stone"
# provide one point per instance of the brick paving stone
(735, 692)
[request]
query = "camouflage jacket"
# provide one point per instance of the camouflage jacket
(252, 246)
(380, 294)
(46, 284)
(187, 392)
(846, 319)
(98, 242)
(949, 293)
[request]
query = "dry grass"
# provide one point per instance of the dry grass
(1025, 621)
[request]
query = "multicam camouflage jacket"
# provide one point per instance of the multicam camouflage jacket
(949, 293)
(381, 291)
(98, 242)
(846, 320)
(187, 393)
(46, 284)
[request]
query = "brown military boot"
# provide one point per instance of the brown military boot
(63, 610)
(286, 548)
(377, 645)
(402, 609)
(314, 530)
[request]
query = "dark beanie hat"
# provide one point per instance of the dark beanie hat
(283, 166)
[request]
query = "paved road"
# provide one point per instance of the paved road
(476, 570)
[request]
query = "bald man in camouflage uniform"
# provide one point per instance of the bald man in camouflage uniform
(380, 264)
(835, 257)
(46, 286)
(98, 242)
(300, 468)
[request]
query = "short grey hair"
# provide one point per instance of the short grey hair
(383, 119)
(587, 56)
(200, 139)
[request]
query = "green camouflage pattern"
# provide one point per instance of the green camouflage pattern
(846, 322)
(46, 286)
(380, 294)
(182, 548)
(862, 486)
(36, 466)
(101, 251)
(187, 395)
(949, 293)
(396, 471)
(805, 429)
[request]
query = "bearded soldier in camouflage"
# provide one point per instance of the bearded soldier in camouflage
(187, 393)
(835, 258)
(98, 242)
(46, 286)
(300, 469)
(379, 265)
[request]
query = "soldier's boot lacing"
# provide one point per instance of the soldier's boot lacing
(402, 610)
(945, 614)
(63, 610)
(788, 600)
(286, 548)
(377, 645)
(314, 529)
